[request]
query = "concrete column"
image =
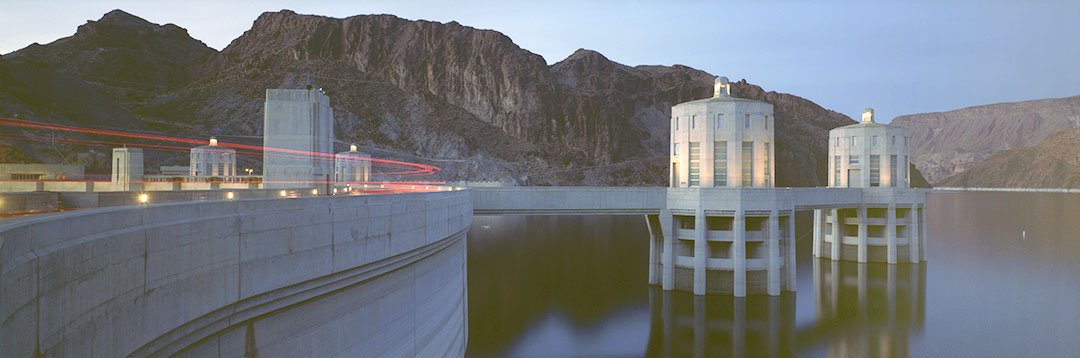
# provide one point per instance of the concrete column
(667, 222)
(836, 240)
(922, 238)
(772, 248)
(701, 252)
(819, 227)
(890, 234)
(789, 257)
(654, 251)
(739, 232)
(913, 240)
(861, 212)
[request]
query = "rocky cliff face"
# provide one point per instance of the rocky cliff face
(1052, 163)
(945, 144)
(468, 100)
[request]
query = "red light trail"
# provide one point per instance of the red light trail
(247, 150)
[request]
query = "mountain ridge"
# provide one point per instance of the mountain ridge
(488, 109)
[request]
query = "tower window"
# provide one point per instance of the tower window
(693, 122)
(676, 121)
(720, 120)
(766, 122)
(676, 150)
(746, 122)
(720, 168)
(747, 164)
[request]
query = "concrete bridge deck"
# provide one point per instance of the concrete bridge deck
(650, 200)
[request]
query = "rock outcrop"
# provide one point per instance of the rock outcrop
(1052, 163)
(945, 144)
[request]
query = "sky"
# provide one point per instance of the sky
(899, 57)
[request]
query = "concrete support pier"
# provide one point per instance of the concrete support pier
(731, 241)
(887, 226)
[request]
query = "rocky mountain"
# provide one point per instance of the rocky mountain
(1052, 163)
(945, 144)
(468, 100)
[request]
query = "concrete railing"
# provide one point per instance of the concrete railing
(266, 276)
(569, 200)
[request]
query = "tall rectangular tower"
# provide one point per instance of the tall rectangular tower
(298, 136)
(127, 169)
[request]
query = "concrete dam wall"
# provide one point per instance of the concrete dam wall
(320, 276)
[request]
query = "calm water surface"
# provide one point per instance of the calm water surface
(1002, 278)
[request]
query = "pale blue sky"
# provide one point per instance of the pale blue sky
(898, 57)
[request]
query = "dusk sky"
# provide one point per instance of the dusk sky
(898, 57)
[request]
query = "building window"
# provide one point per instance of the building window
(892, 170)
(873, 141)
(766, 122)
(837, 142)
(905, 141)
(695, 164)
(693, 121)
(747, 164)
(894, 141)
(853, 160)
(720, 120)
(875, 170)
(676, 150)
(854, 141)
(676, 121)
(720, 166)
(766, 163)
(746, 122)
(836, 171)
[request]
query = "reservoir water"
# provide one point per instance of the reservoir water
(1002, 278)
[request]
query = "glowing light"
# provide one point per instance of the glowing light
(144, 198)
(213, 141)
(284, 193)
(230, 195)
(314, 191)
(335, 191)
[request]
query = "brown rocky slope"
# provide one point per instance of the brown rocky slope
(948, 143)
(1052, 163)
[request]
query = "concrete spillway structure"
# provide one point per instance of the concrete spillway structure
(722, 230)
(871, 155)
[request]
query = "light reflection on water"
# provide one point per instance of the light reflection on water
(576, 285)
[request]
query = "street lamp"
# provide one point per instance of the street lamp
(144, 198)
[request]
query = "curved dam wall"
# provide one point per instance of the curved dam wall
(320, 276)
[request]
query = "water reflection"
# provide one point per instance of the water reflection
(577, 286)
(687, 325)
(866, 310)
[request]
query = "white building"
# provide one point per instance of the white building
(868, 155)
(722, 141)
(298, 136)
(874, 157)
(352, 166)
(212, 161)
(724, 230)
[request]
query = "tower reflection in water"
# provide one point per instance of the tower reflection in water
(687, 325)
(867, 309)
(861, 310)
